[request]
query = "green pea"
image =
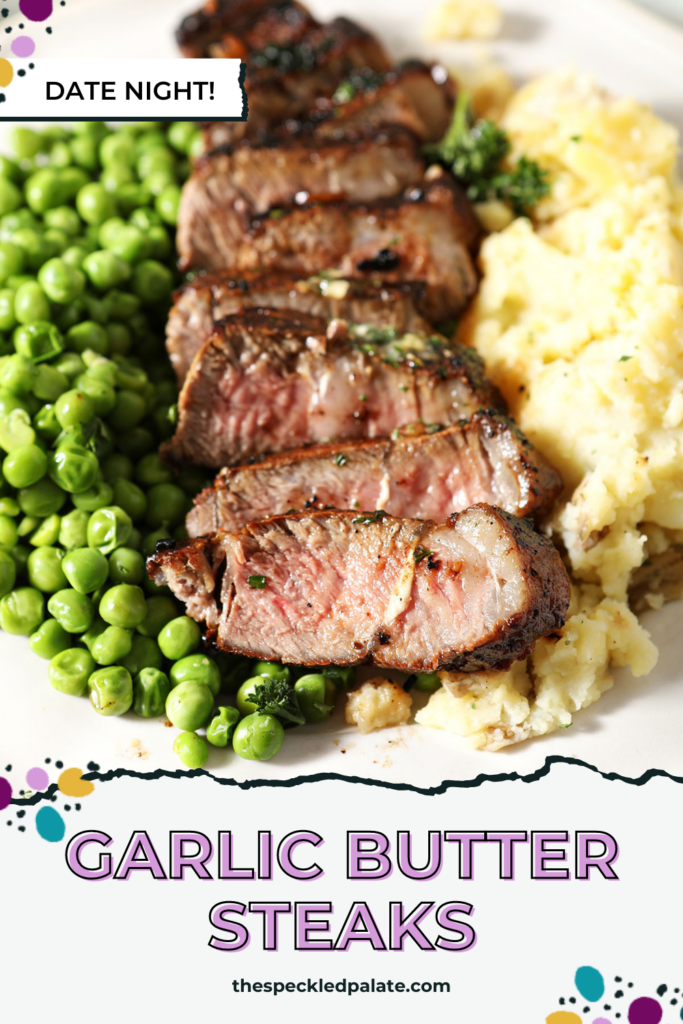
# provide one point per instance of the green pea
(159, 242)
(123, 605)
(10, 196)
(109, 528)
(8, 572)
(166, 503)
(22, 611)
(127, 566)
(117, 148)
(46, 533)
(245, 706)
(73, 611)
(65, 219)
(179, 637)
(70, 670)
(144, 653)
(45, 422)
(30, 241)
(258, 737)
(49, 383)
(73, 180)
(44, 190)
(152, 470)
(117, 465)
(115, 177)
(75, 469)
(54, 243)
(150, 688)
(160, 611)
(17, 374)
(31, 303)
(9, 507)
(38, 340)
(130, 244)
(16, 430)
(135, 442)
(129, 410)
(102, 395)
(273, 669)
(70, 364)
(25, 142)
(121, 305)
(9, 532)
(96, 308)
(152, 281)
(427, 681)
(95, 204)
(196, 668)
(105, 269)
(84, 152)
(11, 259)
(25, 465)
(41, 499)
(167, 203)
(193, 750)
(111, 690)
(7, 318)
(45, 569)
(49, 639)
(109, 231)
(120, 340)
(60, 282)
(222, 725)
(19, 555)
(86, 569)
(74, 407)
(189, 705)
(316, 694)
(73, 257)
(73, 529)
(181, 135)
(94, 498)
(130, 497)
(131, 195)
(112, 644)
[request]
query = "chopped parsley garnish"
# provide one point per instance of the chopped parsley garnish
(276, 697)
(370, 517)
(419, 553)
(474, 152)
(575, 138)
(340, 459)
(276, 213)
(363, 398)
(362, 80)
(257, 582)
(624, 359)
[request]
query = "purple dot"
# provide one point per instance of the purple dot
(5, 793)
(645, 1011)
(601, 1020)
(23, 46)
(37, 778)
(36, 10)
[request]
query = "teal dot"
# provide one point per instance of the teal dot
(50, 824)
(590, 983)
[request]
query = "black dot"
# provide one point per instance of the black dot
(617, 979)
(21, 73)
(21, 792)
(2, 97)
(618, 1015)
(661, 990)
(618, 994)
(677, 990)
(22, 828)
(20, 814)
(561, 1000)
(47, 759)
(8, 768)
(571, 999)
(586, 1009)
(93, 767)
(630, 984)
(607, 1006)
(67, 807)
(59, 764)
(77, 806)
(53, 798)
(9, 822)
(62, 3)
(4, 12)
(673, 1002)
(21, 26)
(49, 31)
(8, 29)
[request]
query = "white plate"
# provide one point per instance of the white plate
(638, 725)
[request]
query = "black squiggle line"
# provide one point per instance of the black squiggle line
(404, 787)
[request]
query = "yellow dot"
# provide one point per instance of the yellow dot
(563, 1017)
(6, 72)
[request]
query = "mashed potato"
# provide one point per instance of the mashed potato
(580, 321)
(464, 19)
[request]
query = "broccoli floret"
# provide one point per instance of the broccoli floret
(276, 697)
(474, 153)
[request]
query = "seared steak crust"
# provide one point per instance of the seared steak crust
(420, 474)
(211, 297)
(343, 587)
(240, 26)
(265, 382)
(425, 234)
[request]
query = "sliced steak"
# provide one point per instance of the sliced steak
(211, 297)
(420, 474)
(234, 28)
(416, 96)
(425, 234)
(265, 382)
(320, 588)
(233, 185)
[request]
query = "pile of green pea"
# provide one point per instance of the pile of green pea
(87, 269)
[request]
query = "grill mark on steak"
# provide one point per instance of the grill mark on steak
(343, 588)
(266, 382)
(211, 297)
(431, 229)
(418, 475)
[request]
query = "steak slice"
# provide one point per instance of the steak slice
(265, 382)
(416, 96)
(420, 474)
(425, 234)
(233, 185)
(211, 297)
(320, 588)
(234, 28)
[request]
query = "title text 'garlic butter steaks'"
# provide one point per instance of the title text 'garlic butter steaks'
(420, 474)
(426, 233)
(269, 381)
(208, 298)
(323, 588)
